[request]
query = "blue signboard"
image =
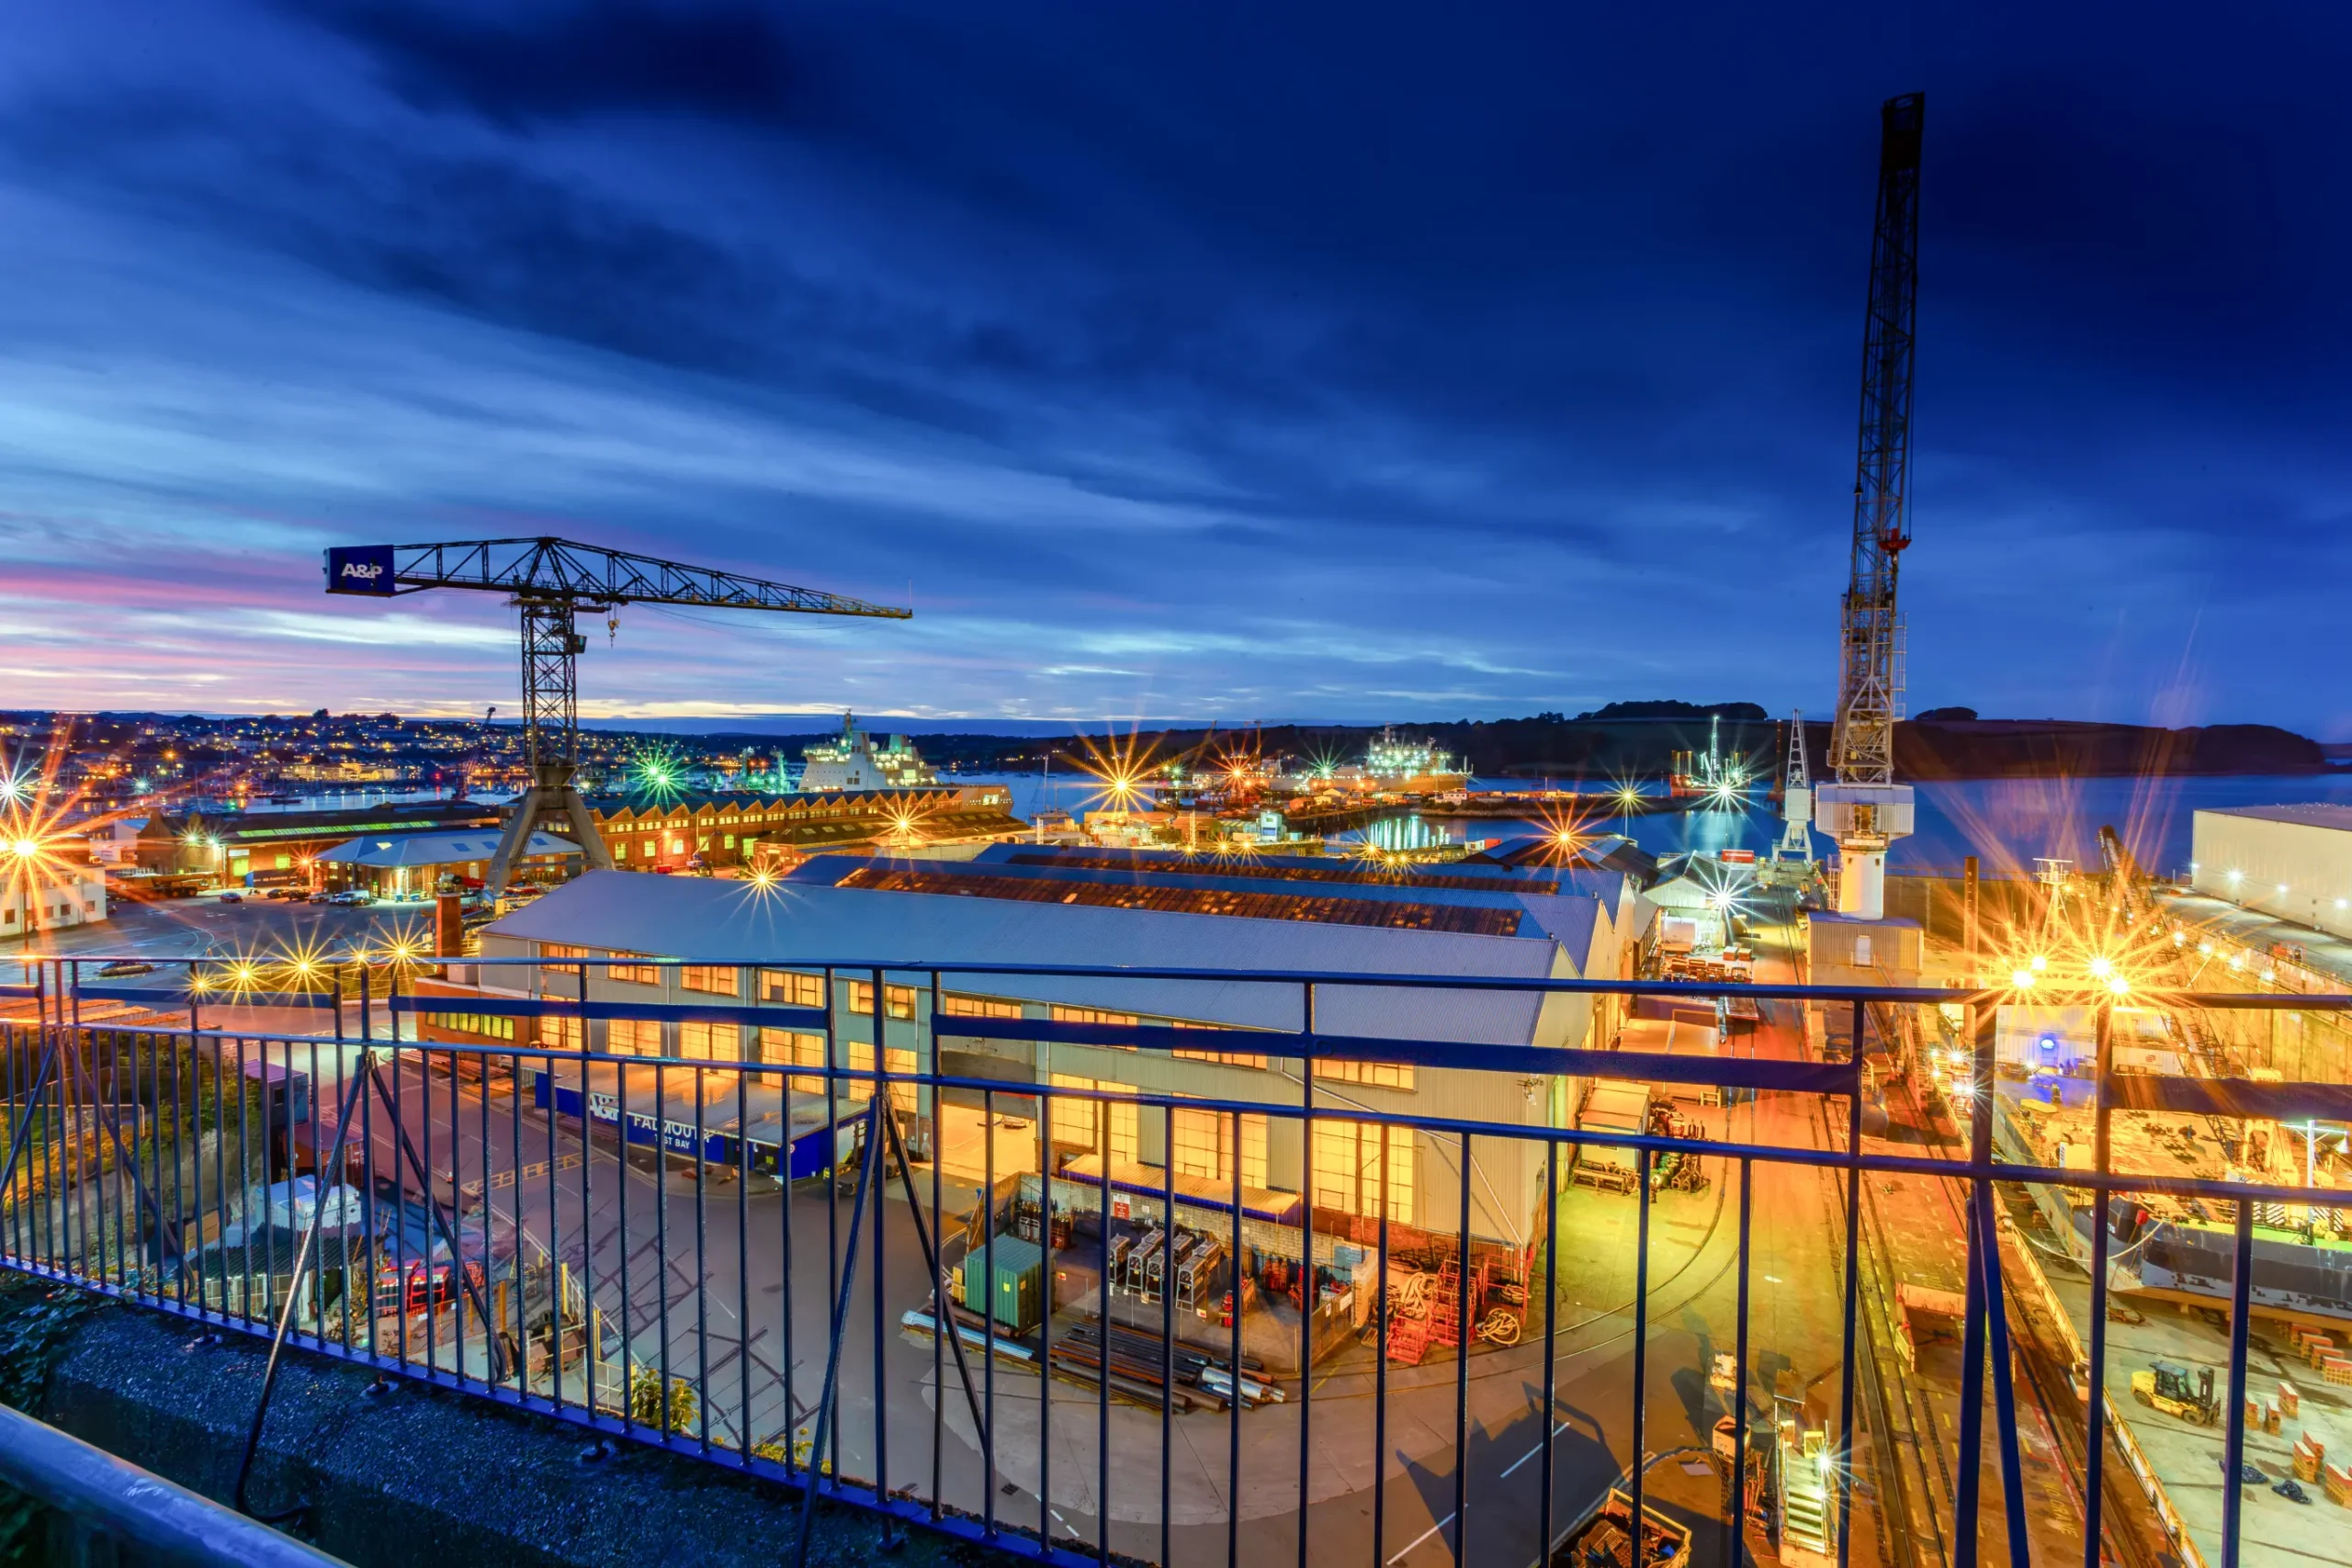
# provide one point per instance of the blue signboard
(360, 568)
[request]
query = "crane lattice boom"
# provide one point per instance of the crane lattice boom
(557, 568)
(551, 582)
(1870, 677)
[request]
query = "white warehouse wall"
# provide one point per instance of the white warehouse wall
(2306, 850)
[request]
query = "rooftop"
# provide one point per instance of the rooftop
(2313, 815)
(799, 923)
(435, 849)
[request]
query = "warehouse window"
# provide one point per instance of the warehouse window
(956, 1006)
(1222, 1058)
(792, 988)
(710, 1042)
(901, 999)
(790, 1048)
(1093, 1015)
(561, 1033)
(486, 1026)
(861, 1059)
(1074, 1119)
(719, 979)
(635, 973)
(1201, 1144)
(633, 1037)
(1347, 1168)
(1378, 1075)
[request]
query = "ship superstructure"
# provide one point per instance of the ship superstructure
(856, 759)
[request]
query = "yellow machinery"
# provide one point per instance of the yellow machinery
(2166, 1386)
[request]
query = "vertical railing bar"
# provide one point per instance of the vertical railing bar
(19, 1118)
(1463, 1331)
(662, 1226)
(1641, 1344)
(2241, 1326)
(1853, 1297)
(1233, 1425)
(702, 1254)
(244, 1181)
(366, 1111)
(1968, 1485)
(433, 1201)
(943, 1310)
(784, 1240)
(1547, 1472)
(1736, 1525)
(1379, 1361)
(180, 1143)
(621, 1126)
(832, 1197)
(878, 1156)
(2102, 1211)
(400, 1171)
(1103, 1299)
(744, 1048)
(1045, 1318)
(1996, 1317)
(1167, 1328)
(1308, 1292)
(591, 1329)
(986, 1438)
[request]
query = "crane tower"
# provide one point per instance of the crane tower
(551, 582)
(1863, 808)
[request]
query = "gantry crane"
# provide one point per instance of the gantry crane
(1864, 809)
(551, 582)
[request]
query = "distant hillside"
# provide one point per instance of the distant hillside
(1598, 749)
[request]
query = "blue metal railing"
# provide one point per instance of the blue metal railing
(115, 1125)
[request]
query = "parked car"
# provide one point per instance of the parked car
(352, 898)
(321, 896)
(233, 898)
(122, 966)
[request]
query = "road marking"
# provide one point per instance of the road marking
(1449, 1519)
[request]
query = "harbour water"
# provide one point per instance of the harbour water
(2007, 823)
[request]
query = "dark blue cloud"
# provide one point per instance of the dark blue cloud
(562, 61)
(1331, 358)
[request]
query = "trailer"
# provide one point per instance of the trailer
(1612, 1106)
(622, 1099)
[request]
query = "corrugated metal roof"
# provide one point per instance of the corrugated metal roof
(2314, 814)
(392, 849)
(734, 922)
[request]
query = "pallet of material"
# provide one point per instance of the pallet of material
(1142, 1359)
(2339, 1483)
(2337, 1369)
(922, 1322)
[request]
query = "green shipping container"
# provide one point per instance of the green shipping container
(1017, 1300)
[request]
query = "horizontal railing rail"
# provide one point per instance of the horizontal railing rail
(469, 1220)
(119, 1502)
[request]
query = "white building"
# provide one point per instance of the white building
(29, 904)
(751, 945)
(2293, 863)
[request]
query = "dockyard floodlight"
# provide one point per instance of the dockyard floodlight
(24, 849)
(2038, 964)
(2120, 986)
(2235, 875)
(2102, 966)
(2021, 979)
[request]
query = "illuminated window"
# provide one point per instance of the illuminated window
(901, 999)
(1075, 1120)
(484, 1025)
(723, 980)
(710, 1042)
(956, 1006)
(1093, 1015)
(1201, 1144)
(559, 1033)
(1379, 1075)
(785, 1047)
(1223, 1058)
(792, 988)
(634, 974)
(633, 1037)
(861, 1059)
(1347, 1168)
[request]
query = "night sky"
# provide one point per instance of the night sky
(1206, 360)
